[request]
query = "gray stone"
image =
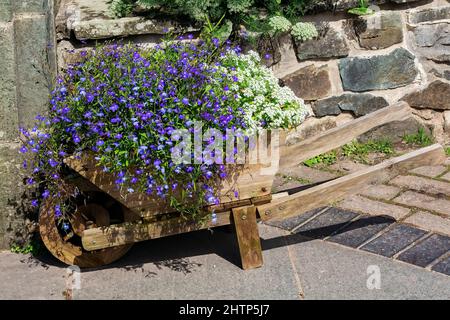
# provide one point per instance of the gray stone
(344, 5)
(435, 96)
(361, 230)
(310, 83)
(330, 45)
(380, 30)
(91, 20)
(394, 240)
(445, 74)
(10, 187)
(428, 250)
(329, 271)
(429, 14)
(293, 222)
(358, 104)
(34, 72)
(8, 109)
(432, 41)
(443, 266)
(6, 10)
(327, 223)
(380, 72)
(395, 131)
(31, 6)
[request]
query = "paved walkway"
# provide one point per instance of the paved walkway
(394, 237)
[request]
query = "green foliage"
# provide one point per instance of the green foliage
(447, 151)
(304, 31)
(362, 10)
(420, 138)
(359, 151)
(279, 24)
(327, 159)
(121, 8)
(282, 13)
(34, 247)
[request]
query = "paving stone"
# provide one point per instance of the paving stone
(422, 184)
(394, 240)
(430, 171)
(428, 250)
(381, 191)
(429, 14)
(361, 230)
(325, 224)
(293, 222)
(372, 207)
(422, 201)
(429, 221)
(443, 266)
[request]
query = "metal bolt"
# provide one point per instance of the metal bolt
(263, 189)
(244, 216)
(268, 212)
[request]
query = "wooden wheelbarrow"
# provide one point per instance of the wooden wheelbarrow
(107, 223)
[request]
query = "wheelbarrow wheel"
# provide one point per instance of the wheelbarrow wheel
(67, 247)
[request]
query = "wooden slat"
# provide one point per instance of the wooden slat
(334, 190)
(99, 238)
(295, 154)
(248, 237)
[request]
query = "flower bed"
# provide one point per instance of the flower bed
(126, 104)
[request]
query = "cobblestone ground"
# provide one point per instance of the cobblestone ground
(407, 218)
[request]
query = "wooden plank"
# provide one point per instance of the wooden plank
(334, 190)
(244, 219)
(125, 233)
(291, 155)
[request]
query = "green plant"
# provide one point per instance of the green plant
(447, 151)
(34, 247)
(279, 24)
(420, 138)
(303, 31)
(359, 151)
(362, 10)
(328, 158)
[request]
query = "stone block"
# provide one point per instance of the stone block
(310, 82)
(359, 104)
(6, 10)
(432, 41)
(392, 70)
(330, 45)
(34, 72)
(435, 96)
(8, 108)
(380, 30)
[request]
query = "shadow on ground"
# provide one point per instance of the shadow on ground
(174, 252)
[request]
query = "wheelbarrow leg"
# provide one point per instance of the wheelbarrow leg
(248, 237)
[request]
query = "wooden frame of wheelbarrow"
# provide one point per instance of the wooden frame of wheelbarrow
(256, 203)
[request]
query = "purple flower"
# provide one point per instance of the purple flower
(58, 212)
(185, 101)
(114, 108)
(34, 203)
(52, 162)
(23, 149)
(45, 194)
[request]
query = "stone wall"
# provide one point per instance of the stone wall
(27, 68)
